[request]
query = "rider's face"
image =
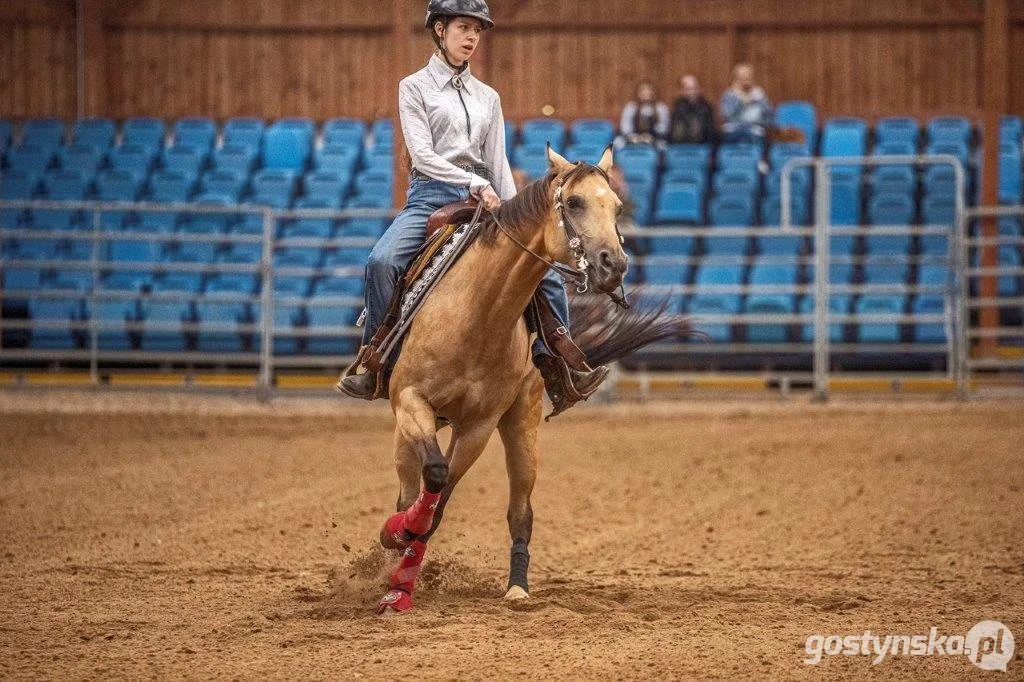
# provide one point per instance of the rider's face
(461, 38)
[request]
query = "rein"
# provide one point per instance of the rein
(579, 273)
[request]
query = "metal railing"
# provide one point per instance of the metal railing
(1008, 333)
(263, 302)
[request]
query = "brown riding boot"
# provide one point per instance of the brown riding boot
(566, 386)
(359, 385)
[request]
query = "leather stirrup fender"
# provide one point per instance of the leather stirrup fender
(556, 337)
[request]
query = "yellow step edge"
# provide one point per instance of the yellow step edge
(161, 379)
(306, 381)
(226, 380)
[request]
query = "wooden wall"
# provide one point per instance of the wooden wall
(324, 58)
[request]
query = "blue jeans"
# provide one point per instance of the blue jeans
(396, 247)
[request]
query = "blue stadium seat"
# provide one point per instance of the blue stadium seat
(374, 183)
(666, 273)
(937, 210)
(301, 125)
(709, 302)
(692, 176)
(286, 148)
(30, 158)
(345, 131)
(58, 314)
(742, 155)
(544, 131)
(227, 313)
(117, 185)
(246, 131)
(337, 158)
(638, 159)
(885, 272)
(273, 187)
(1008, 255)
(587, 153)
(170, 309)
(204, 224)
(894, 180)
(679, 202)
(309, 228)
(60, 185)
(147, 133)
(899, 129)
(956, 129)
(322, 312)
(771, 211)
(845, 208)
(226, 183)
(595, 132)
(931, 303)
(1010, 130)
(97, 132)
(6, 134)
(16, 185)
(736, 181)
(772, 302)
(838, 304)
(951, 147)
(672, 245)
(382, 134)
(801, 115)
(81, 157)
(328, 187)
(940, 180)
(346, 261)
(186, 158)
(1010, 187)
(236, 157)
(687, 157)
(114, 312)
(799, 180)
(532, 158)
(879, 331)
(844, 137)
(166, 186)
(731, 211)
(889, 210)
(195, 131)
(782, 152)
(289, 316)
(895, 148)
(44, 132)
(379, 160)
(133, 158)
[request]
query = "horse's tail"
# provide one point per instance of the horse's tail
(605, 332)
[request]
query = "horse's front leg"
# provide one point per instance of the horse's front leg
(417, 454)
(518, 429)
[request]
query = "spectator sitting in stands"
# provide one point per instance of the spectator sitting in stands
(693, 121)
(746, 111)
(644, 120)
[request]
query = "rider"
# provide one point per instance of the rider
(455, 133)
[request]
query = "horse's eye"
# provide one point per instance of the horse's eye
(574, 203)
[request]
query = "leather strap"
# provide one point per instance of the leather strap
(556, 336)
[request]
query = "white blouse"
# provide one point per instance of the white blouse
(434, 125)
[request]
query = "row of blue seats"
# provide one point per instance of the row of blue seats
(202, 132)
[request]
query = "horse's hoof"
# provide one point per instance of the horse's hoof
(515, 593)
(394, 602)
(392, 535)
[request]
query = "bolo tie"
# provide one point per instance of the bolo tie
(457, 84)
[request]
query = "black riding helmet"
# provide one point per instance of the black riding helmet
(441, 9)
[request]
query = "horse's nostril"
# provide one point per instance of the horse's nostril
(605, 259)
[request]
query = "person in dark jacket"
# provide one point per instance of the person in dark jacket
(693, 119)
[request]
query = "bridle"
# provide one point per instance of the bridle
(579, 273)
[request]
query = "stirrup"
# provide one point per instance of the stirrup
(352, 383)
(565, 386)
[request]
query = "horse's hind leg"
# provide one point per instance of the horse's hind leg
(518, 428)
(415, 448)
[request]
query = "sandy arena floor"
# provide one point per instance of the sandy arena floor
(168, 536)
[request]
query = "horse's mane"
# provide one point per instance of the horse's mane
(533, 203)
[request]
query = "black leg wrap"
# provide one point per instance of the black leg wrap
(519, 565)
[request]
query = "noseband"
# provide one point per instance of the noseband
(579, 273)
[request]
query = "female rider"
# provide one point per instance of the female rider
(455, 133)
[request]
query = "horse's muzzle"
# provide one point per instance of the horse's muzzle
(608, 269)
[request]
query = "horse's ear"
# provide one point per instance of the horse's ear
(605, 163)
(557, 161)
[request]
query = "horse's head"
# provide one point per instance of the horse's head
(585, 211)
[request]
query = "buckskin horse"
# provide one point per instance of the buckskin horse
(466, 358)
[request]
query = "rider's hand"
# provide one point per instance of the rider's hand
(490, 199)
